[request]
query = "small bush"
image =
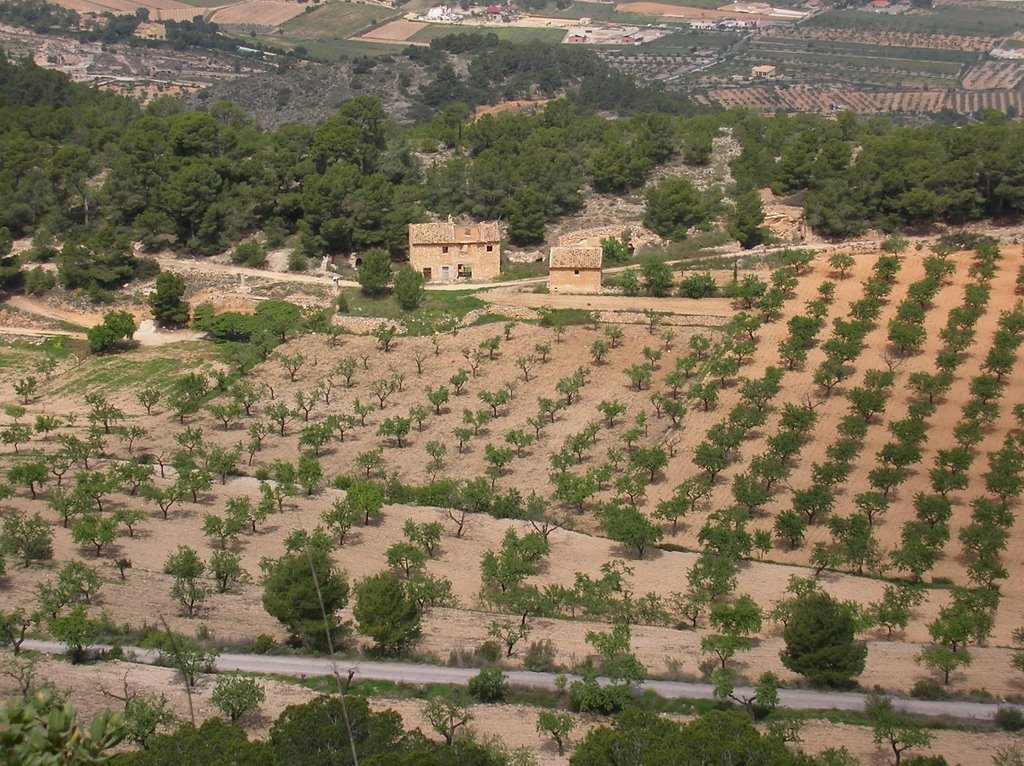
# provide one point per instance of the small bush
(928, 689)
(489, 651)
(342, 303)
(263, 644)
(297, 261)
(97, 294)
(342, 482)
(590, 697)
(39, 281)
(925, 760)
(251, 254)
(698, 286)
(1009, 719)
(489, 685)
(540, 656)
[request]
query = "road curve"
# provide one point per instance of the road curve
(413, 673)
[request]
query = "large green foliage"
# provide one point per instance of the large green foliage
(304, 593)
(385, 612)
(645, 739)
(316, 733)
(374, 273)
(674, 206)
(116, 326)
(43, 730)
(820, 641)
(169, 310)
(322, 732)
(215, 743)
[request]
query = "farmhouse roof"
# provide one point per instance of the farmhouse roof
(444, 233)
(575, 258)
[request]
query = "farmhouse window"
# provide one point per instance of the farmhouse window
(490, 248)
(465, 271)
(576, 272)
(444, 249)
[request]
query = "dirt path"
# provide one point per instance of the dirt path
(422, 673)
(713, 307)
(35, 332)
(40, 308)
(212, 267)
(148, 333)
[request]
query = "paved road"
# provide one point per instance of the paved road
(411, 673)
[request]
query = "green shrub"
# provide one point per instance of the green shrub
(251, 254)
(263, 644)
(698, 286)
(489, 651)
(1009, 719)
(489, 685)
(928, 689)
(540, 656)
(297, 261)
(39, 281)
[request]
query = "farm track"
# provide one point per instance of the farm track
(418, 673)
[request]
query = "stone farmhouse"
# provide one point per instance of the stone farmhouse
(449, 252)
(574, 270)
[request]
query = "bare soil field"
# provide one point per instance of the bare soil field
(684, 12)
(511, 106)
(684, 310)
(263, 13)
(394, 31)
(129, 6)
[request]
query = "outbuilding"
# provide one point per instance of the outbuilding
(574, 270)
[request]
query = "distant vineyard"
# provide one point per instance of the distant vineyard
(826, 99)
(994, 75)
(892, 38)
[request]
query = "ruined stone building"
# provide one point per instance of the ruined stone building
(448, 252)
(574, 270)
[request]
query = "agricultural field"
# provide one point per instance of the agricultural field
(847, 420)
(256, 13)
(919, 62)
(827, 99)
(517, 34)
(987, 20)
(582, 10)
(336, 20)
(994, 75)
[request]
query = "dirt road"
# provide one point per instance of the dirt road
(414, 673)
(43, 309)
(35, 332)
(706, 307)
(213, 267)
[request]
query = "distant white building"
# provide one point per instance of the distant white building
(441, 13)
